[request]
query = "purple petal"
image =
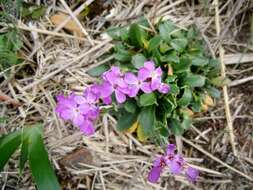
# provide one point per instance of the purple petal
(107, 100)
(66, 114)
(150, 65)
(80, 99)
(132, 91)
(106, 89)
(87, 128)
(78, 119)
(176, 165)
(120, 97)
(145, 87)
(155, 84)
(130, 78)
(154, 174)
(158, 72)
(143, 74)
(121, 83)
(84, 108)
(170, 149)
(164, 88)
(158, 161)
(192, 174)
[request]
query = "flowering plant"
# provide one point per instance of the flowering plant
(157, 81)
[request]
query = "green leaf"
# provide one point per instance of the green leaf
(175, 127)
(179, 44)
(136, 35)
(130, 106)
(170, 78)
(165, 29)
(186, 124)
(126, 121)
(214, 92)
(183, 66)
(24, 152)
(186, 98)
(163, 129)
(147, 99)
(154, 42)
(164, 47)
(220, 81)
(121, 54)
(170, 57)
(38, 12)
(199, 61)
(98, 71)
(147, 119)
(138, 61)
(174, 89)
(195, 80)
(42, 171)
(8, 145)
(118, 33)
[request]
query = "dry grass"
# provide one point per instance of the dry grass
(57, 61)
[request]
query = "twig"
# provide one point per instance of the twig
(77, 21)
(217, 159)
(240, 81)
(238, 58)
(223, 73)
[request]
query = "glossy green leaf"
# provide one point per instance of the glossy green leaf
(186, 98)
(195, 80)
(147, 99)
(179, 44)
(38, 12)
(98, 71)
(163, 129)
(8, 145)
(147, 119)
(42, 171)
(175, 127)
(154, 42)
(138, 61)
(126, 121)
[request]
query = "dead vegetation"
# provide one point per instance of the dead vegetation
(57, 52)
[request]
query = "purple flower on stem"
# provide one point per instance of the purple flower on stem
(136, 83)
(192, 174)
(157, 169)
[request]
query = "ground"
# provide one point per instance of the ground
(56, 59)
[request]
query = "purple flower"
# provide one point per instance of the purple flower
(164, 88)
(87, 127)
(192, 174)
(176, 164)
(114, 82)
(157, 169)
(150, 72)
(136, 83)
(76, 109)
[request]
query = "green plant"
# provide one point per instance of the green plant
(191, 73)
(30, 142)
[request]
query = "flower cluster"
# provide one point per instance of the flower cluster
(176, 164)
(83, 110)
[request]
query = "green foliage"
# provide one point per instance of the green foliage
(30, 141)
(187, 68)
